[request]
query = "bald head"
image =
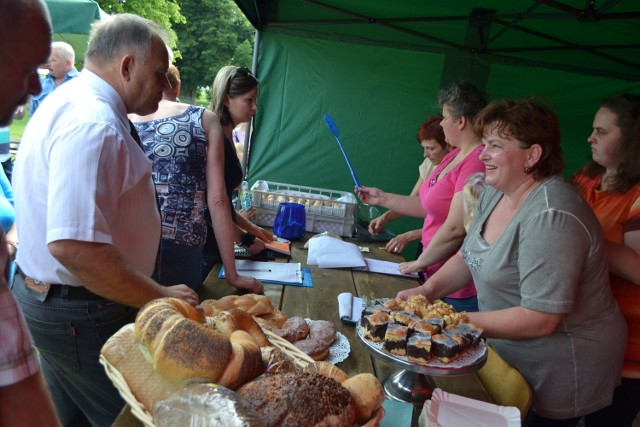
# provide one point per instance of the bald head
(28, 22)
(130, 53)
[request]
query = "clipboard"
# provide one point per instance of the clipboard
(279, 273)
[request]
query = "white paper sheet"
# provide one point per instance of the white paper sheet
(329, 252)
(385, 267)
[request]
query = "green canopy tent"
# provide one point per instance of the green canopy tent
(376, 66)
(72, 21)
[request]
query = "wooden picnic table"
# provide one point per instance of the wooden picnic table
(321, 302)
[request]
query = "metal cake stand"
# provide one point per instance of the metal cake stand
(413, 382)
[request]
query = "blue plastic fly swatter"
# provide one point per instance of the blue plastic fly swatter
(334, 130)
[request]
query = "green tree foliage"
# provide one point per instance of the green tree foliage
(165, 13)
(207, 35)
(215, 34)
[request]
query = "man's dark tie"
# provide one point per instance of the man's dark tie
(134, 134)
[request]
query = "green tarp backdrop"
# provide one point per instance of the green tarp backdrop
(376, 67)
(72, 21)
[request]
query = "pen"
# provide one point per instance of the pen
(255, 269)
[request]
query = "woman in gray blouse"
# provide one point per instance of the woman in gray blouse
(535, 252)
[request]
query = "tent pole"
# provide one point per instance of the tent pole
(247, 134)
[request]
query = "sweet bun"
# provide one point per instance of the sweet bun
(205, 405)
(294, 329)
(367, 393)
(322, 333)
(300, 399)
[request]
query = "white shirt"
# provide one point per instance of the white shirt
(80, 175)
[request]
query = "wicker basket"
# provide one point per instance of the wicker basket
(121, 384)
(299, 358)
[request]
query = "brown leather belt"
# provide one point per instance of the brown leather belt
(78, 293)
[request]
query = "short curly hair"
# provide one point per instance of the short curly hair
(463, 99)
(530, 122)
(431, 129)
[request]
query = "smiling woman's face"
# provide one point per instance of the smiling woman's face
(504, 160)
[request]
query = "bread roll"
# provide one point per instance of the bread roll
(367, 394)
(300, 399)
(255, 305)
(178, 342)
(181, 346)
(277, 318)
(229, 321)
(327, 369)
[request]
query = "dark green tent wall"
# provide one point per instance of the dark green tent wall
(379, 85)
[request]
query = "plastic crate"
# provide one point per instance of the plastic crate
(325, 210)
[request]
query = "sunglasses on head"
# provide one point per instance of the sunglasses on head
(238, 72)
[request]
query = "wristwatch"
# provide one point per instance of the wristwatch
(247, 240)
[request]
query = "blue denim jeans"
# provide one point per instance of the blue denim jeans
(463, 304)
(68, 336)
(181, 264)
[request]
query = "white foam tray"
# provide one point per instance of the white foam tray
(451, 410)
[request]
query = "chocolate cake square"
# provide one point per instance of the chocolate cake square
(422, 326)
(419, 348)
(404, 317)
(446, 347)
(395, 340)
(375, 325)
(468, 331)
(438, 322)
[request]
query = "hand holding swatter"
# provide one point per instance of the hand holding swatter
(334, 130)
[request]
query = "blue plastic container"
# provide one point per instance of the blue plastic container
(290, 221)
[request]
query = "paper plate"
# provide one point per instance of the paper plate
(451, 410)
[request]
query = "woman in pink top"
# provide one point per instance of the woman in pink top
(440, 200)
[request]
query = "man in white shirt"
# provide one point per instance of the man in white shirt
(21, 382)
(88, 221)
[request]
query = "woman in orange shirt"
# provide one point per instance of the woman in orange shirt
(610, 183)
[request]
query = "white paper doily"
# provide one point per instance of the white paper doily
(340, 348)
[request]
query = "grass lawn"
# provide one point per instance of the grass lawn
(16, 129)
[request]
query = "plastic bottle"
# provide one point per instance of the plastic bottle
(245, 196)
